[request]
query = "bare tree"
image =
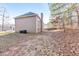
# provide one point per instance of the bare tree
(77, 15)
(3, 16)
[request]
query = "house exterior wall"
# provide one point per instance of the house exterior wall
(38, 24)
(28, 23)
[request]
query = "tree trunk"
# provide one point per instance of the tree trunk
(63, 23)
(3, 20)
(77, 16)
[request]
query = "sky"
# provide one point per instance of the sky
(16, 9)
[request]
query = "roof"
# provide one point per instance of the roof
(27, 15)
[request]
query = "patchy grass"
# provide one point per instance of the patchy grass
(8, 39)
(5, 33)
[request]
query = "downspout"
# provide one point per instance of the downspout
(41, 22)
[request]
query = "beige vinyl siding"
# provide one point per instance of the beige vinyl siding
(38, 25)
(28, 23)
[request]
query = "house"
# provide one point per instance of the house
(29, 21)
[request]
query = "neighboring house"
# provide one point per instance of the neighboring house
(30, 22)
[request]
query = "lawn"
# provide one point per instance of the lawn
(5, 33)
(8, 39)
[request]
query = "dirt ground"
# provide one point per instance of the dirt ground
(49, 43)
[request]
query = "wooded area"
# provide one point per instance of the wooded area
(4, 20)
(65, 15)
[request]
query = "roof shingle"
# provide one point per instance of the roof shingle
(27, 14)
